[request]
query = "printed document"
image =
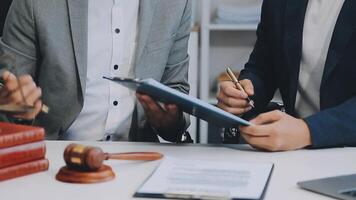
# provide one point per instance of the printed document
(199, 179)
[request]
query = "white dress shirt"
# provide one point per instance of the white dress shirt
(108, 107)
(319, 24)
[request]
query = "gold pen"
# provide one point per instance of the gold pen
(233, 78)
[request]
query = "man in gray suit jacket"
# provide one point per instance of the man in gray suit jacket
(57, 45)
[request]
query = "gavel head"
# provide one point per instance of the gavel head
(84, 158)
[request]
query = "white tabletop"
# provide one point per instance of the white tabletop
(290, 167)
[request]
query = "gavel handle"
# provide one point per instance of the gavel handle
(140, 156)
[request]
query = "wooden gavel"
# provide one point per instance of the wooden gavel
(86, 158)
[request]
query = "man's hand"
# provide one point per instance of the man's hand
(11, 93)
(277, 131)
(163, 119)
(233, 100)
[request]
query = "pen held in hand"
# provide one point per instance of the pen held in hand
(233, 78)
(13, 108)
(20, 109)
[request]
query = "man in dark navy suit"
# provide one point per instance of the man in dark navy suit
(307, 50)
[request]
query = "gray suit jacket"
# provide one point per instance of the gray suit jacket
(48, 39)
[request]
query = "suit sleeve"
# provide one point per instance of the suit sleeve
(176, 71)
(334, 127)
(260, 65)
(17, 45)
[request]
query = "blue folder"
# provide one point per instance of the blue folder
(186, 103)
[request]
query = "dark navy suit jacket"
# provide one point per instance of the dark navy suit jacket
(275, 61)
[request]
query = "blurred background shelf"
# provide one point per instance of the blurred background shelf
(193, 51)
(233, 27)
(227, 37)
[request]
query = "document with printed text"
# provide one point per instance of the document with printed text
(199, 179)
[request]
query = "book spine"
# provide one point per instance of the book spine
(24, 169)
(23, 137)
(22, 153)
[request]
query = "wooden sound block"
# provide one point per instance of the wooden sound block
(103, 174)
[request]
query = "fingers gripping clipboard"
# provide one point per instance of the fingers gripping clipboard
(186, 103)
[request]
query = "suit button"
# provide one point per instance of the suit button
(117, 31)
(116, 67)
(116, 103)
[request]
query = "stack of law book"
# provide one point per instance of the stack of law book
(22, 150)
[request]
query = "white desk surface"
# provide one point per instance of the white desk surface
(290, 167)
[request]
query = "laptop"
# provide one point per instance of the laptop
(340, 187)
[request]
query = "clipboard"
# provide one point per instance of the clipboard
(186, 103)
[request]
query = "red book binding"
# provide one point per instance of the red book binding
(13, 134)
(24, 169)
(22, 153)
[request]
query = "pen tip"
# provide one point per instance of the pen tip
(252, 104)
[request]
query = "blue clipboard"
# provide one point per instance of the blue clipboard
(186, 103)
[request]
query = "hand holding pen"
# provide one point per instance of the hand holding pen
(20, 97)
(234, 95)
(233, 78)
